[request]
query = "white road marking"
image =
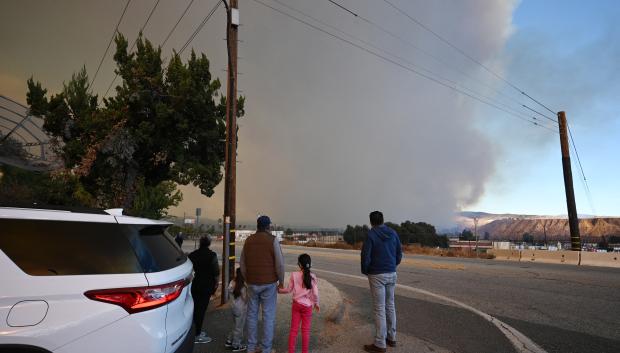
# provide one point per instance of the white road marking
(521, 343)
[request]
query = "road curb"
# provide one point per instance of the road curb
(519, 341)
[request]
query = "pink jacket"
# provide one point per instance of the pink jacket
(302, 295)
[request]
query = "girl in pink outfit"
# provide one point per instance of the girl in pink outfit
(303, 284)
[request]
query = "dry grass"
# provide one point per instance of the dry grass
(407, 249)
(420, 250)
(317, 244)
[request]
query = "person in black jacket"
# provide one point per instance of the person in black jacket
(179, 239)
(206, 276)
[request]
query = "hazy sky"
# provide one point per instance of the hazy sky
(332, 132)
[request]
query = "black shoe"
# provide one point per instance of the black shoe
(240, 348)
(390, 343)
(228, 344)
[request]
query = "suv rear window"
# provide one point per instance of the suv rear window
(47, 248)
(154, 247)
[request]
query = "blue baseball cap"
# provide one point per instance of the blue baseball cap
(263, 221)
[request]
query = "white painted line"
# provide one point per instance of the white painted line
(520, 342)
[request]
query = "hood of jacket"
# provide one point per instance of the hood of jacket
(384, 232)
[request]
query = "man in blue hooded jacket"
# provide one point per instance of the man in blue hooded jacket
(381, 254)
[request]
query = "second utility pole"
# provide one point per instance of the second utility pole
(230, 156)
(573, 220)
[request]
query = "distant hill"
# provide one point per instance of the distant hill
(513, 229)
(512, 226)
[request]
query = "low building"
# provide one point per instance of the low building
(455, 243)
(502, 245)
(242, 235)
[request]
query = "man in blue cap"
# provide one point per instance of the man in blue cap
(262, 265)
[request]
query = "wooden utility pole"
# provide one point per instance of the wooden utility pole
(573, 220)
(230, 167)
(545, 232)
(476, 232)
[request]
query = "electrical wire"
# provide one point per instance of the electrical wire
(394, 62)
(200, 26)
(539, 113)
(423, 51)
(583, 178)
(430, 72)
(462, 52)
(196, 31)
(134, 43)
(494, 100)
(109, 44)
(177, 23)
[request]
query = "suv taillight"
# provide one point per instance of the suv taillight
(137, 299)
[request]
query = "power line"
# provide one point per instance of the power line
(176, 24)
(200, 26)
(394, 62)
(539, 113)
(134, 43)
(418, 66)
(423, 51)
(587, 189)
(462, 52)
(584, 179)
(109, 44)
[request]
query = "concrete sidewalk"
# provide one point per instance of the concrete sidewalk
(339, 328)
(219, 321)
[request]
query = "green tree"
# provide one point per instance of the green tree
(165, 126)
(353, 235)
(467, 235)
(152, 201)
(288, 232)
(528, 238)
(409, 232)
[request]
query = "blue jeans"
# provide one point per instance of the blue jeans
(382, 289)
(264, 295)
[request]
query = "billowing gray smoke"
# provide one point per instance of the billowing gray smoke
(333, 133)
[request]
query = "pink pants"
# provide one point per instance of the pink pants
(304, 314)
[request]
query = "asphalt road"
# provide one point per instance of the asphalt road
(561, 308)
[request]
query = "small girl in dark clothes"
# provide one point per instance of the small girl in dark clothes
(238, 292)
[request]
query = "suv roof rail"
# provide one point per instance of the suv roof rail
(44, 206)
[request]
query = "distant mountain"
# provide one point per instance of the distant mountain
(513, 226)
(555, 229)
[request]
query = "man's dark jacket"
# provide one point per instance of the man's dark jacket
(381, 252)
(206, 271)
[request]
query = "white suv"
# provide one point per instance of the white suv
(88, 282)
